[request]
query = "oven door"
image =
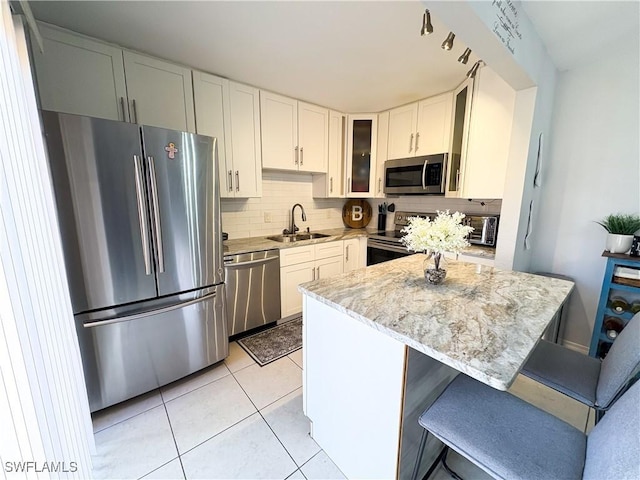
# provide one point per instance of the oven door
(418, 175)
(378, 252)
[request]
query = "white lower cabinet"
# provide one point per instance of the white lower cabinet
(355, 253)
(305, 264)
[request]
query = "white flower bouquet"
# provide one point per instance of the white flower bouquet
(445, 233)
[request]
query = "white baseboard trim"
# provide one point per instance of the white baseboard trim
(576, 346)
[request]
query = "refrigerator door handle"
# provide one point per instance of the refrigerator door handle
(156, 213)
(135, 316)
(142, 215)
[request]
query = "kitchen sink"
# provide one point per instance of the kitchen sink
(297, 237)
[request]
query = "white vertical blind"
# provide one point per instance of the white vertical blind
(44, 412)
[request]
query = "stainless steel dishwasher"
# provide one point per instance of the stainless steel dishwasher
(252, 282)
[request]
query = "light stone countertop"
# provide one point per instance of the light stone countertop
(255, 244)
(481, 321)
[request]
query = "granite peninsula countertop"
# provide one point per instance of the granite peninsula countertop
(254, 244)
(482, 321)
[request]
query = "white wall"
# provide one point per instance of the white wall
(44, 412)
(591, 169)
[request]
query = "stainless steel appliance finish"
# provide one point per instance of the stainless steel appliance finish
(385, 246)
(485, 229)
(253, 290)
(140, 221)
(416, 175)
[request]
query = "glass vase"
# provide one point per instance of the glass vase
(434, 273)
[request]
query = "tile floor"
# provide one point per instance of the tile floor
(238, 420)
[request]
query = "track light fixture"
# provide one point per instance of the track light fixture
(464, 58)
(427, 28)
(448, 42)
(472, 73)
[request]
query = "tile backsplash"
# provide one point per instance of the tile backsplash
(269, 215)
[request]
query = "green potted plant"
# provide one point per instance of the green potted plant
(620, 228)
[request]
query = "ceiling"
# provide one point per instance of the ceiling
(353, 56)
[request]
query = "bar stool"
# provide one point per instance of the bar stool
(594, 382)
(511, 439)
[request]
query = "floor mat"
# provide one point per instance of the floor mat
(270, 345)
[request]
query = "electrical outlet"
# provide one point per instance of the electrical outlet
(267, 217)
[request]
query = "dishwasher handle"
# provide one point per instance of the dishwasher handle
(260, 261)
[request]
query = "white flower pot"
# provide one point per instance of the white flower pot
(619, 243)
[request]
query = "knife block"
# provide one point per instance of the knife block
(382, 222)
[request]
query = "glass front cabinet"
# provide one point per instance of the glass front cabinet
(361, 155)
(462, 98)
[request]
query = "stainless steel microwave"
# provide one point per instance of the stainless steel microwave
(416, 175)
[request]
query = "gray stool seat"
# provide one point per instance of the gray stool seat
(596, 383)
(567, 371)
(503, 435)
(512, 439)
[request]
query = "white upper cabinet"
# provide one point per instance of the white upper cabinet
(402, 131)
(160, 93)
(421, 128)
(331, 185)
(362, 137)
(279, 124)
(220, 105)
(294, 134)
(244, 115)
(80, 76)
(483, 117)
(313, 137)
(433, 132)
(381, 153)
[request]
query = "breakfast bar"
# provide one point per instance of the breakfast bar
(380, 345)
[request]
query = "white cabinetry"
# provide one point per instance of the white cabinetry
(381, 153)
(483, 116)
(221, 105)
(331, 185)
(355, 253)
(160, 93)
(304, 264)
(79, 75)
(294, 134)
(362, 137)
(421, 128)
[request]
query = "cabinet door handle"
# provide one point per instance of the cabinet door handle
(135, 111)
(296, 158)
(318, 276)
(301, 155)
(417, 138)
(410, 143)
(313, 273)
(331, 185)
(379, 185)
(230, 181)
(124, 114)
(457, 179)
(348, 184)
(347, 254)
(237, 180)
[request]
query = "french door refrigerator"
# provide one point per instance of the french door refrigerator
(139, 216)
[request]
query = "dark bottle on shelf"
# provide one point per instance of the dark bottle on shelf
(618, 304)
(612, 326)
(603, 349)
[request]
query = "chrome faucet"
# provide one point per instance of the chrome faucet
(292, 227)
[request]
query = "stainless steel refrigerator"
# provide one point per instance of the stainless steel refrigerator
(139, 215)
